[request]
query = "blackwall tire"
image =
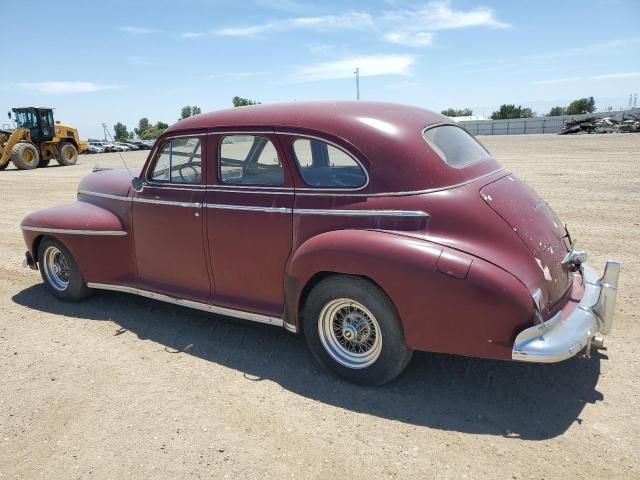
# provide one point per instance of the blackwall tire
(353, 329)
(60, 272)
(25, 156)
(67, 154)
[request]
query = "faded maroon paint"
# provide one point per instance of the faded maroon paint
(386, 137)
(460, 277)
(249, 249)
(539, 229)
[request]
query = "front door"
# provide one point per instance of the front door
(249, 221)
(168, 222)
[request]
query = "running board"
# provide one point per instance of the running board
(229, 312)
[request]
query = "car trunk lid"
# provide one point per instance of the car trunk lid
(539, 228)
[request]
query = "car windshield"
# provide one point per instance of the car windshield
(455, 146)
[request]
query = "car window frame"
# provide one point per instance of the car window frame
(453, 124)
(270, 137)
(293, 136)
(157, 151)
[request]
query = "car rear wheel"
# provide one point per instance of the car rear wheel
(67, 154)
(25, 156)
(352, 328)
(60, 271)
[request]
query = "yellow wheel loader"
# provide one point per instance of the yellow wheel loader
(38, 139)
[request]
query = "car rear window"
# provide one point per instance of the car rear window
(455, 146)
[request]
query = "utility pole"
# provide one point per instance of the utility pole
(357, 72)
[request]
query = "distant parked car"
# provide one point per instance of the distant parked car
(114, 147)
(142, 145)
(376, 229)
(93, 149)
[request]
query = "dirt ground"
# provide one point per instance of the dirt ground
(126, 387)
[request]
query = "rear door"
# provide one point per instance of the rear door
(249, 227)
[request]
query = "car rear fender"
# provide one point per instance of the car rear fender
(447, 301)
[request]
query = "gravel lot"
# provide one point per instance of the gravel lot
(125, 387)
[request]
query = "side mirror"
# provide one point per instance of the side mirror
(137, 184)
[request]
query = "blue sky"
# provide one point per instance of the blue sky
(120, 60)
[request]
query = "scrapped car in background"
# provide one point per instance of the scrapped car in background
(376, 229)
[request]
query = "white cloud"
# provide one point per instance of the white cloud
(555, 81)
(131, 30)
(318, 48)
(349, 20)
(616, 76)
(419, 39)
(59, 88)
(370, 66)
(440, 16)
(607, 76)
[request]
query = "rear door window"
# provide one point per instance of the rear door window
(326, 166)
(455, 146)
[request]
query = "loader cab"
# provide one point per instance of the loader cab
(39, 121)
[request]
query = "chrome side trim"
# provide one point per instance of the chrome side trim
(167, 202)
(113, 233)
(249, 208)
(254, 317)
(104, 195)
(280, 191)
(362, 213)
(289, 327)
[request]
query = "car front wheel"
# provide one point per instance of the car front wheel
(352, 328)
(60, 272)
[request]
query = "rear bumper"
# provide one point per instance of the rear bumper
(571, 330)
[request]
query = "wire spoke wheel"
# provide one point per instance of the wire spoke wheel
(350, 333)
(56, 268)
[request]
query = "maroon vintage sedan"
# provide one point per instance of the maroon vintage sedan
(377, 229)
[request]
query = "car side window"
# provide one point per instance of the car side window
(179, 161)
(249, 160)
(323, 165)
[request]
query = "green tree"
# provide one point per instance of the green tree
(189, 111)
(143, 126)
(582, 105)
(452, 112)
(557, 111)
(243, 102)
(186, 112)
(154, 132)
(120, 131)
(508, 111)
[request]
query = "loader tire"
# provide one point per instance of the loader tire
(67, 154)
(25, 156)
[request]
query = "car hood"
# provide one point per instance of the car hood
(110, 182)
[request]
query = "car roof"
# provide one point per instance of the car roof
(386, 137)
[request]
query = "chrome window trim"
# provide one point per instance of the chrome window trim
(104, 195)
(67, 231)
(247, 134)
(154, 153)
(329, 142)
(250, 208)
(291, 191)
(361, 213)
(401, 194)
(230, 312)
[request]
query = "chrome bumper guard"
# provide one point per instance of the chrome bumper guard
(560, 338)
